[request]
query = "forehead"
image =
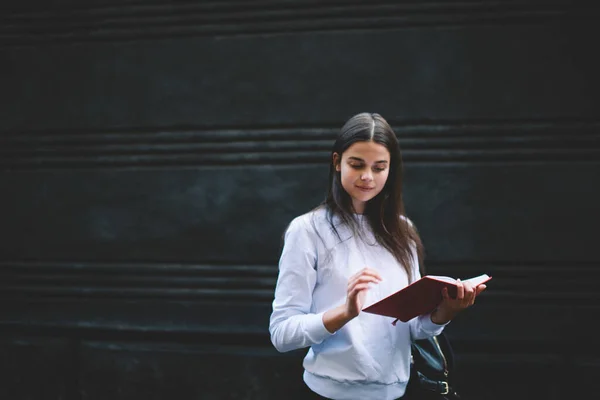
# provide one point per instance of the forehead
(367, 151)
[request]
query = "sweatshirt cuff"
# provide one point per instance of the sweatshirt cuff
(316, 328)
(430, 326)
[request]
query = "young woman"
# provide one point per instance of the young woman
(354, 249)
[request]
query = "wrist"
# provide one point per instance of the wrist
(441, 316)
(336, 318)
(346, 315)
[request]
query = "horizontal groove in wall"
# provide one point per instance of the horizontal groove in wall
(84, 291)
(22, 9)
(576, 141)
(189, 340)
(539, 284)
(106, 332)
(226, 341)
(523, 350)
(147, 21)
(170, 281)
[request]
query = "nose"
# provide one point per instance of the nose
(366, 176)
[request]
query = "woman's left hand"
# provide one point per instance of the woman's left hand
(466, 294)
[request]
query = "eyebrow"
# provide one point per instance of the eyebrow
(361, 160)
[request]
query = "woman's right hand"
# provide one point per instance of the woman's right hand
(358, 284)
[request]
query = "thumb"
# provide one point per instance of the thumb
(481, 288)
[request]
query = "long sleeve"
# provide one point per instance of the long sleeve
(422, 327)
(292, 324)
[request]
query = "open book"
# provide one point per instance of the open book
(420, 297)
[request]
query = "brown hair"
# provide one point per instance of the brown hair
(385, 212)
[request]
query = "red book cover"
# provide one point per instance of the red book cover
(418, 298)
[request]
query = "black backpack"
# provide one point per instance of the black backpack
(432, 367)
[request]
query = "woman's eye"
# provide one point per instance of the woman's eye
(356, 166)
(379, 169)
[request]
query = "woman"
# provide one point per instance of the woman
(354, 249)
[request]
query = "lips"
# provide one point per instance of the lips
(365, 189)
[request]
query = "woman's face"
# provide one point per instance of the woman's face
(364, 169)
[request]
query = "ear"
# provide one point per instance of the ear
(336, 162)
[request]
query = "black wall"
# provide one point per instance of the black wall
(152, 153)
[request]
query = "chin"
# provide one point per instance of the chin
(364, 197)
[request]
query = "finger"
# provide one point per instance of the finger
(371, 272)
(469, 295)
(460, 290)
(364, 279)
(364, 272)
(445, 294)
(476, 291)
(359, 273)
(365, 284)
(353, 279)
(468, 286)
(473, 297)
(357, 289)
(480, 288)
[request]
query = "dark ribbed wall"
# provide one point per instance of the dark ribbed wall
(153, 152)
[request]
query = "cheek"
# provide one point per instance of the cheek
(382, 178)
(348, 175)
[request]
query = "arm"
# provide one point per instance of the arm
(433, 324)
(292, 325)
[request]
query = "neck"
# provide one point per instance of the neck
(358, 206)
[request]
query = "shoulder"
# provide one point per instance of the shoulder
(311, 221)
(407, 220)
(409, 226)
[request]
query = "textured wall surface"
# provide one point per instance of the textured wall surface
(153, 152)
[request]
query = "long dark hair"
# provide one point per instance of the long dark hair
(385, 212)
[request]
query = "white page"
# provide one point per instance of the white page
(478, 279)
(442, 278)
(475, 281)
